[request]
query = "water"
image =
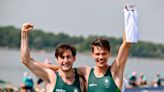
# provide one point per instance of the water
(12, 70)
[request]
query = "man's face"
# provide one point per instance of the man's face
(100, 55)
(66, 61)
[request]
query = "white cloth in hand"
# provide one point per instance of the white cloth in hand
(131, 25)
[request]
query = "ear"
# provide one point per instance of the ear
(74, 58)
(56, 59)
(110, 54)
(92, 54)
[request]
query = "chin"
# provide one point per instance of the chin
(66, 69)
(101, 65)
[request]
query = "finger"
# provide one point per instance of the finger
(30, 24)
(27, 25)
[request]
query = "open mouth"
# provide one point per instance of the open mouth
(101, 61)
(66, 65)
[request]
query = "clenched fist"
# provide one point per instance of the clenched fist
(27, 27)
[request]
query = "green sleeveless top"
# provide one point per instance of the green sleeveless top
(103, 84)
(61, 86)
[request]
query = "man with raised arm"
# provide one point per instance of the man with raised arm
(104, 77)
(66, 78)
(109, 78)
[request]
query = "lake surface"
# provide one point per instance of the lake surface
(12, 70)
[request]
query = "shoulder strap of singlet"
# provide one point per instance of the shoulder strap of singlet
(57, 74)
(92, 70)
(57, 77)
(91, 74)
(77, 79)
(108, 72)
(76, 74)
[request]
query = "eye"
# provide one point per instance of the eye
(103, 54)
(62, 57)
(97, 54)
(68, 56)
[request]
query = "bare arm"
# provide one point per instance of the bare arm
(131, 30)
(50, 66)
(33, 65)
(130, 36)
(122, 55)
(118, 65)
(82, 84)
(84, 73)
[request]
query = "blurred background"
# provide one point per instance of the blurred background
(84, 17)
(79, 22)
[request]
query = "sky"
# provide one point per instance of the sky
(85, 17)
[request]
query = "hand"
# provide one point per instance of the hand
(130, 7)
(27, 27)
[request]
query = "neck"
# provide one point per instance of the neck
(68, 77)
(66, 74)
(100, 71)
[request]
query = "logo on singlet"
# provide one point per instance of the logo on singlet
(106, 82)
(60, 90)
(75, 90)
(92, 84)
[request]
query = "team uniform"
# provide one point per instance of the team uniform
(61, 86)
(103, 84)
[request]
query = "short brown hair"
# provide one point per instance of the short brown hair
(61, 48)
(101, 42)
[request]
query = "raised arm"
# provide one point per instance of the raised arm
(117, 68)
(130, 36)
(122, 55)
(33, 65)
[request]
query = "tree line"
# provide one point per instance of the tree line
(10, 37)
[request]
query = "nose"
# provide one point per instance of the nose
(100, 56)
(65, 60)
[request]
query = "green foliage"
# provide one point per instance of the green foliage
(10, 37)
(146, 49)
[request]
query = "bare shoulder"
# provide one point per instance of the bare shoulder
(83, 70)
(117, 75)
(52, 80)
(51, 75)
(82, 84)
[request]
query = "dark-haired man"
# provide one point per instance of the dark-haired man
(66, 78)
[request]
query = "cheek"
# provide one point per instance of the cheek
(72, 60)
(107, 56)
(59, 61)
(95, 57)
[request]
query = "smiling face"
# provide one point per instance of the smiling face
(100, 56)
(101, 51)
(65, 55)
(66, 60)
